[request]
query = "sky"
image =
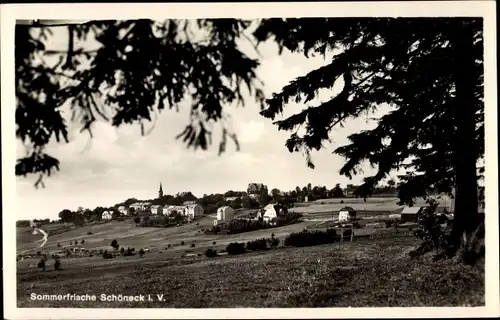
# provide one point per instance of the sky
(119, 163)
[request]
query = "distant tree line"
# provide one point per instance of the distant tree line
(211, 202)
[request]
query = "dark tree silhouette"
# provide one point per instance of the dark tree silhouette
(141, 68)
(428, 71)
(66, 215)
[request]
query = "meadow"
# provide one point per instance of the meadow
(352, 274)
(362, 273)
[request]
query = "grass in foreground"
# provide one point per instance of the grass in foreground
(357, 274)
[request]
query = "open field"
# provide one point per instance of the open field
(128, 235)
(374, 205)
(376, 272)
(358, 274)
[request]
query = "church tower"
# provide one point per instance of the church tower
(160, 192)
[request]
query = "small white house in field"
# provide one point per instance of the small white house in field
(410, 213)
(272, 212)
(224, 215)
(194, 211)
(107, 215)
(346, 214)
(156, 209)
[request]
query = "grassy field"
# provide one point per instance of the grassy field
(354, 274)
(128, 235)
(360, 273)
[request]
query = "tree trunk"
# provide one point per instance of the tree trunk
(466, 203)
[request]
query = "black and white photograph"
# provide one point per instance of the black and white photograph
(341, 157)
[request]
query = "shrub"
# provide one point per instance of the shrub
(210, 253)
(41, 264)
(83, 241)
(235, 248)
(192, 245)
(71, 243)
(57, 265)
(107, 255)
(259, 244)
(169, 245)
(89, 233)
(388, 223)
(182, 243)
(128, 252)
(214, 243)
(141, 252)
(310, 238)
(76, 242)
(114, 244)
(122, 251)
(273, 242)
(137, 220)
(38, 253)
(58, 245)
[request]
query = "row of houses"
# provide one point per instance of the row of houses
(190, 209)
(270, 213)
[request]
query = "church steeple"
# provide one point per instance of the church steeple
(160, 192)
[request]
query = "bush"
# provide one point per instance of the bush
(114, 244)
(57, 265)
(388, 223)
(182, 243)
(83, 241)
(41, 264)
(273, 242)
(76, 242)
(89, 233)
(169, 245)
(214, 243)
(255, 245)
(192, 245)
(141, 252)
(122, 251)
(210, 253)
(128, 252)
(311, 238)
(107, 255)
(235, 248)
(58, 245)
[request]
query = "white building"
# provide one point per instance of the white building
(123, 210)
(179, 209)
(194, 211)
(346, 214)
(107, 215)
(410, 213)
(139, 206)
(156, 209)
(224, 215)
(272, 212)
